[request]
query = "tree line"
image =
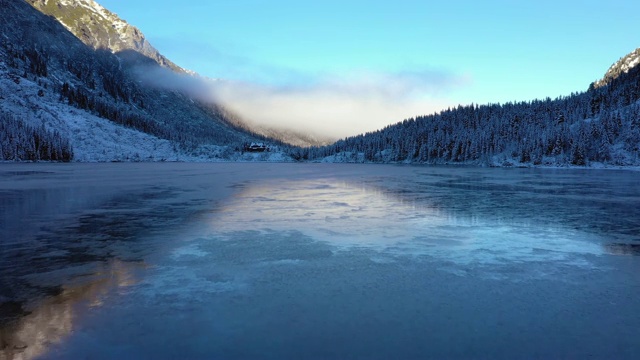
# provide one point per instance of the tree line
(601, 124)
(21, 142)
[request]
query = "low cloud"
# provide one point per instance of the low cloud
(326, 106)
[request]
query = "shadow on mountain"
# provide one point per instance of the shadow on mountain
(37, 47)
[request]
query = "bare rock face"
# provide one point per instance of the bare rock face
(99, 28)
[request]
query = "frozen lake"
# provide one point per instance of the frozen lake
(317, 261)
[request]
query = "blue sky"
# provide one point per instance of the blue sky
(452, 51)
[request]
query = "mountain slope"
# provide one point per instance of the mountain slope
(622, 66)
(599, 127)
(99, 28)
(93, 98)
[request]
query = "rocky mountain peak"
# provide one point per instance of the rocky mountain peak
(622, 66)
(100, 28)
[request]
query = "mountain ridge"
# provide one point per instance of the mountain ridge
(622, 66)
(100, 28)
(50, 79)
(599, 127)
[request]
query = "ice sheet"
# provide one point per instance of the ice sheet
(318, 261)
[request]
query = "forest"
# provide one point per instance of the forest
(601, 124)
(21, 142)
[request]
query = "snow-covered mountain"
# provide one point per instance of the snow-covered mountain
(100, 28)
(87, 98)
(599, 127)
(622, 66)
(93, 98)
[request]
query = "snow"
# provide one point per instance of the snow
(632, 64)
(118, 24)
(629, 63)
(92, 138)
(623, 65)
(95, 139)
(623, 161)
(322, 261)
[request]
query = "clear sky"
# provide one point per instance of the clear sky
(448, 52)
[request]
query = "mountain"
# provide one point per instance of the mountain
(620, 67)
(99, 28)
(66, 99)
(92, 103)
(598, 127)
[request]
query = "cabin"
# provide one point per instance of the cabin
(256, 147)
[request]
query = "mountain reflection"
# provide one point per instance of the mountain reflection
(53, 319)
(358, 215)
(330, 210)
(241, 258)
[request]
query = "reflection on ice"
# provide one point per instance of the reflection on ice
(51, 320)
(190, 250)
(328, 210)
(318, 261)
(351, 215)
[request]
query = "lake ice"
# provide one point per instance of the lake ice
(317, 261)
